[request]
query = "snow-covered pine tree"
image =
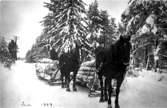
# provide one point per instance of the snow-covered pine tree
(5, 58)
(50, 36)
(104, 26)
(108, 28)
(101, 28)
(94, 22)
(3, 49)
(69, 23)
(113, 26)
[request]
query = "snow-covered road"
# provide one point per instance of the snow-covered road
(20, 88)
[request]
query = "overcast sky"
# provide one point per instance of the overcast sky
(21, 18)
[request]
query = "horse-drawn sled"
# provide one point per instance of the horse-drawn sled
(48, 70)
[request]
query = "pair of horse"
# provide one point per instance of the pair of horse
(110, 62)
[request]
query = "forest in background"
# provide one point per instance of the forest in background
(8, 51)
(144, 20)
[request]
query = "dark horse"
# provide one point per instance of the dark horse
(69, 62)
(112, 63)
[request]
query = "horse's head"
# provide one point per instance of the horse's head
(123, 49)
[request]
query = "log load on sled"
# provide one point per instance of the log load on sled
(87, 76)
(86, 73)
(47, 69)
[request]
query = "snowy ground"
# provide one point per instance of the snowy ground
(20, 88)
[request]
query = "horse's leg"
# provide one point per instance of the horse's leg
(62, 80)
(109, 85)
(74, 82)
(67, 82)
(101, 88)
(105, 90)
(119, 82)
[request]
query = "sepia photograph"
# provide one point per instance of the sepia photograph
(83, 53)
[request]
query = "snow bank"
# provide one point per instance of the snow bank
(4, 74)
(148, 90)
(6, 91)
(150, 77)
(154, 76)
